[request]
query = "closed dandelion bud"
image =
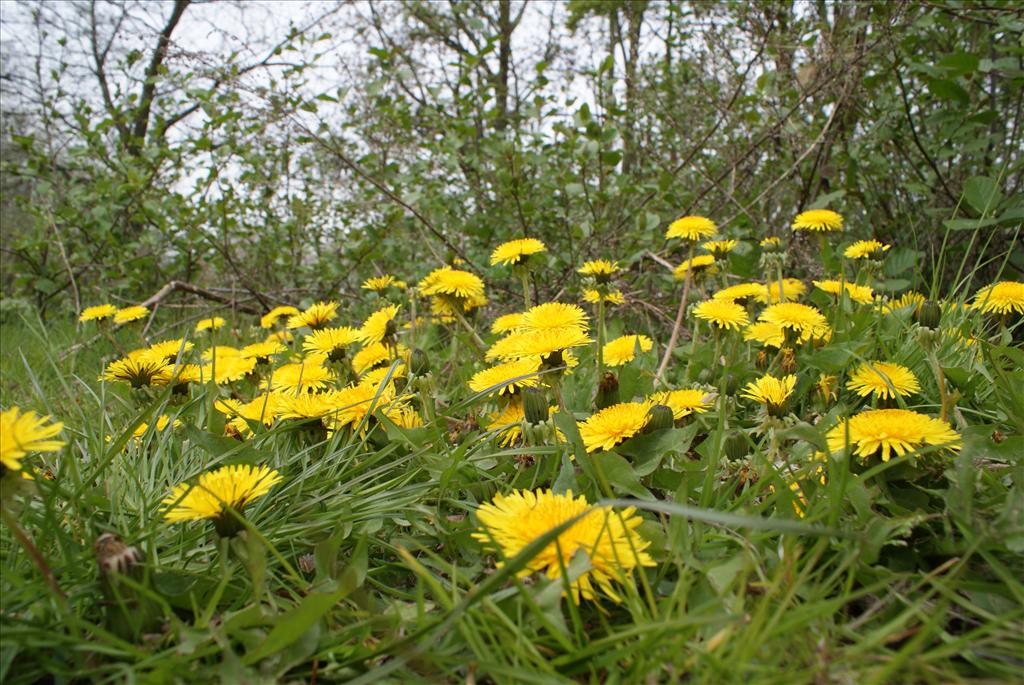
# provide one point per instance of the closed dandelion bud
(419, 362)
(607, 391)
(788, 360)
(730, 384)
(762, 360)
(390, 330)
(535, 405)
(928, 314)
(704, 376)
(736, 445)
(113, 556)
(659, 417)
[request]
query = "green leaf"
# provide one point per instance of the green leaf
(945, 89)
(969, 224)
(294, 624)
(823, 201)
(982, 193)
(620, 474)
(960, 63)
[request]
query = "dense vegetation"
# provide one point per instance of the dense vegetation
(506, 342)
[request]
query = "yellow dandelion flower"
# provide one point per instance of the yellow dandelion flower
(1000, 298)
(613, 425)
(883, 379)
(369, 357)
(683, 402)
(262, 351)
(866, 249)
(507, 422)
(219, 352)
(861, 294)
(281, 336)
(98, 312)
(379, 284)
(826, 387)
(907, 299)
(537, 343)
(772, 241)
(377, 375)
(380, 326)
(333, 342)
(270, 318)
(403, 416)
(305, 405)
(507, 322)
(356, 402)
(771, 392)
(719, 248)
(740, 292)
(129, 314)
(210, 324)
(138, 371)
(515, 252)
(768, 334)
(622, 350)
(593, 296)
(821, 220)
(229, 369)
(722, 313)
(305, 376)
(601, 270)
(168, 350)
(161, 424)
(507, 378)
(218, 492)
(24, 432)
(452, 284)
(261, 409)
(792, 288)
(890, 430)
(552, 316)
(608, 538)
(316, 316)
(804, 320)
(691, 228)
(700, 264)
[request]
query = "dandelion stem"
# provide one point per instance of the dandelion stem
(600, 337)
(940, 380)
(524, 276)
(474, 338)
(658, 377)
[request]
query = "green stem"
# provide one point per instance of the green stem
(782, 289)
(693, 348)
(524, 276)
(600, 338)
(940, 379)
(474, 338)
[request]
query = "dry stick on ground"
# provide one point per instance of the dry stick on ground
(174, 286)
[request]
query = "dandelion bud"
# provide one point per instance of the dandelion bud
(736, 445)
(928, 314)
(535, 405)
(788, 360)
(659, 417)
(307, 564)
(419, 362)
(607, 391)
(112, 555)
(762, 360)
